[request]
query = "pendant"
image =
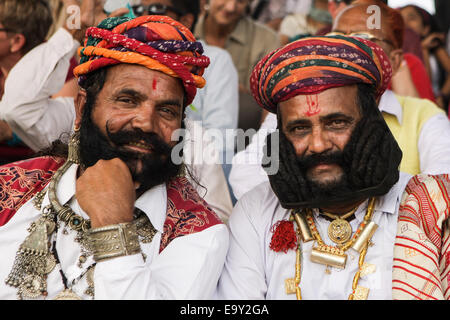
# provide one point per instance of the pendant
(67, 294)
(339, 231)
(290, 286)
(361, 293)
(329, 256)
(32, 287)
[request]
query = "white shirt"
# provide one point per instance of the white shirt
(433, 146)
(253, 271)
(188, 268)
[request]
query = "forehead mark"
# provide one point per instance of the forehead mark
(313, 105)
(155, 82)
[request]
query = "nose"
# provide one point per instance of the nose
(144, 119)
(319, 141)
(230, 5)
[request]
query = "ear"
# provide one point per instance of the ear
(80, 102)
(396, 58)
(187, 20)
(426, 30)
(17, 42)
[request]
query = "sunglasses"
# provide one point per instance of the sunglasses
(154, 9)
(362, 35)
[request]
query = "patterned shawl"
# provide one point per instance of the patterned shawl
(421, 268)
(313, 64)
(156, 42)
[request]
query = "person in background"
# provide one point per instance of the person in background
(437, 60)
(227, 25)
(269, 12)
(410, 77)
(299, 24)
(23, 26)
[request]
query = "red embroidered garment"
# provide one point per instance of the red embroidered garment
(422, 248)
(187, 212)
(21, 180)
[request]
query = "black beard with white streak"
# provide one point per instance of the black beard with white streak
(370, 162)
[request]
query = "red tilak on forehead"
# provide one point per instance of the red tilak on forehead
(155, 82)
(313, 105)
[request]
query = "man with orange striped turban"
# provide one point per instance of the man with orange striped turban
(323, 227)
(120, 218)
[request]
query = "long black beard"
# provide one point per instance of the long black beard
(156, 167)
(370, 163)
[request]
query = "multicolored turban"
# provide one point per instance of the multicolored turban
(313, 64)
(156, 42)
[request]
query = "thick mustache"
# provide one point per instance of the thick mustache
(149, 139)
(307, 162)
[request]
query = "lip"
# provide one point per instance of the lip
(324, 166)
(139, 147)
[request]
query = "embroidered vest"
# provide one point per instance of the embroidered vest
(187, 212)
(415, 113)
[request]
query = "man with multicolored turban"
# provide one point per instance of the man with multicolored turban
(324, 225)
(112, 215)
(421, 129)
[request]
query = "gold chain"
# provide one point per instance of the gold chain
(335, 216)
(346, 246)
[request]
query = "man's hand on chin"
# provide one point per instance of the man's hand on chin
(106, 192)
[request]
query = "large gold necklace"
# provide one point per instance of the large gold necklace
(333, 256)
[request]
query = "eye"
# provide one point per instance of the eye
(338, 124)
(299, 129)
(168, 112)
(126, 100)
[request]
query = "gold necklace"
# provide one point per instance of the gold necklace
(339, 230)
(329, 255)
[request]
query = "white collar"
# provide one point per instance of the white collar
(387, 203)
(390, 104)
(153, 202)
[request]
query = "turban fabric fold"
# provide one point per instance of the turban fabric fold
(156, 42)
(313, 64)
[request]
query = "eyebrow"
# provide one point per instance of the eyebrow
(133, 93)
(336, 115)
(141, 96)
